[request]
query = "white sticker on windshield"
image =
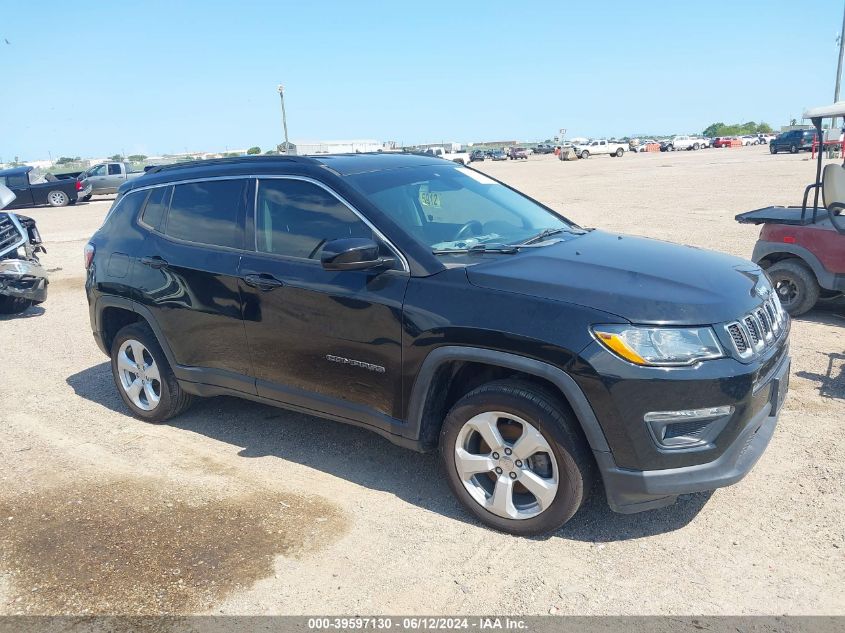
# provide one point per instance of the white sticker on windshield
(478, 177)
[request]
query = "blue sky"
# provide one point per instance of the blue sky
(151, 77)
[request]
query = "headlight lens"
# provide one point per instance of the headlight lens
(659, 346)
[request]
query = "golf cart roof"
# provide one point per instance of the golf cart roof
(823, 112)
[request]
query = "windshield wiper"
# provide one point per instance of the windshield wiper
(480, 249)
(548, 233)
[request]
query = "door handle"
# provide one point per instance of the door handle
(154, 262)
(263, 281)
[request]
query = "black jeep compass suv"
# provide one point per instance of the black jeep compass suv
(443, 310)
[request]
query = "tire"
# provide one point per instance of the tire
(796, 285)
(560, 454)
(13, 305)
(57, 199)
(670, 148)
(695, 147)
(585, 154)
(793, 149)
(773, 149)
(88, 197)
(172, 400)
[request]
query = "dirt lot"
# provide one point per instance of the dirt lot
(237, 507)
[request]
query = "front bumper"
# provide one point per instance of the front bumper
(24, 279)
(631, 491)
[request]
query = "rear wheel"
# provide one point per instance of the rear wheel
(796, 286)
(13, 305)
(773, 149)
(143, 376)
(696, 146)
(619, 152)
(793, 149)
(57, 199)
(515, 458)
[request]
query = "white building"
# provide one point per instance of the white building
(336, 147)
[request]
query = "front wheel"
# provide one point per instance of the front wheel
(796, 286)
(773, 149)
(87, 198)
(585, 154)
(143, 376)
(696, 146)
(57, 199)
(515, 458)
(793, 149)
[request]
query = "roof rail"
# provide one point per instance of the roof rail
(229, 160)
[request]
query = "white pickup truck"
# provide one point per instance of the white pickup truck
(599, 146)
(687, 142)
(457, 157)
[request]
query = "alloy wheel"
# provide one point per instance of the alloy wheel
(139, 375)
(57, 198)
(506, 465)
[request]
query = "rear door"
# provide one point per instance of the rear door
(325, 340)
(188, 276)
(19, 184)
(114, 177)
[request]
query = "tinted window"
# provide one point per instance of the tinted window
(296, 218)
(18, 181)
(114, 169)
(207, 212)
(156, 206)
(129, 205)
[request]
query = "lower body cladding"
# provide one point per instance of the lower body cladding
(23, 279)
(682, 451)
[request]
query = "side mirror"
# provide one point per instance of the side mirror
(354, 253)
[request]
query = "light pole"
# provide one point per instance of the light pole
(284, 117)
(839, 67)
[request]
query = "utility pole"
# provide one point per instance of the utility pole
(285, 120)
(839, 66)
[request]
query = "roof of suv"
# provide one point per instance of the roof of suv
(341, 164)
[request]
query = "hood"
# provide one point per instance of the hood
(639, 279)
(7, 196)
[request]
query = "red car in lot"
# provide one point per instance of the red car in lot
(723, 141)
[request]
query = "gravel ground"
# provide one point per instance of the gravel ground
(236, 507)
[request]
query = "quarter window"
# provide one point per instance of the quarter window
(156, 206)
(207, 212)
(296, 218)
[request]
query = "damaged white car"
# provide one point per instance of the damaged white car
(23, 281)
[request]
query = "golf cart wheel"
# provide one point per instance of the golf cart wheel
(793, 149)
(620, 152)
(795, 285)
(514, 456)
(773, 149)
(13, 305)
(57, 199)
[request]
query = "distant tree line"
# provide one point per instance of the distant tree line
(737, 129)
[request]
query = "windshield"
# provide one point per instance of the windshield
(446, 207)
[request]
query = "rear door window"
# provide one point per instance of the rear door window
(114, 169)
(208, 212)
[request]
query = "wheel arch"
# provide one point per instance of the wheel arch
(768, 253)
(451, 371)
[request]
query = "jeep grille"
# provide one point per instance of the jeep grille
(759, 329)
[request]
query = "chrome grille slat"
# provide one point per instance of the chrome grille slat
(757, 330)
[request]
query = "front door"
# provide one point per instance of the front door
(323, 340)
(187, 277)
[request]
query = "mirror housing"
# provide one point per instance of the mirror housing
(354, 253)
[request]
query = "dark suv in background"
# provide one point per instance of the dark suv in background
(793, 141)
(443, 310)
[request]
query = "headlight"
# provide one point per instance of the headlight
(659, 346)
